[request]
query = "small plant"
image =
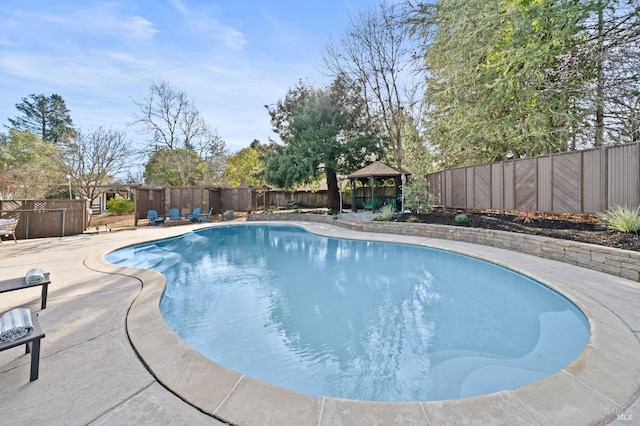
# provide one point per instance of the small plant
(120, 205)
(413, 219)
(268, 211)
(417, 197)
(386, 213)
(526, 215)
(621, 218)
(296, 210)
(462, 218)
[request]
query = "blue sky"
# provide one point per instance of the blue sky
(230, 57)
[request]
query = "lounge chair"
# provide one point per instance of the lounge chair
(8, 227)
(154, 219)
(174, 214)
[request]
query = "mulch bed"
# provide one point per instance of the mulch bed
(586, 229)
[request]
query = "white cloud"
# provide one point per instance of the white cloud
(134, 25)
(179, 6)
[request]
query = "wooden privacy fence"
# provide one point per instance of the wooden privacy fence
(186, 198)
(244, 198)
(46, 218)
(281, 198)
(587, 181)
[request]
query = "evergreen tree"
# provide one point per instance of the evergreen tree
(46, 117)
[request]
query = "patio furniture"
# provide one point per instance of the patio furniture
(20, 283)
(371, 204)
(196, 216)
(154, 219)
(8, 227)
(32, 345)
(174, 214)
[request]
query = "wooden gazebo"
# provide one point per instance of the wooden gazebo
(372, 173)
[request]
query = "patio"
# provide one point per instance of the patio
(100, 321)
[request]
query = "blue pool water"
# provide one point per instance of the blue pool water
(358, 319)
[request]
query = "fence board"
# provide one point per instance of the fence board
(567, 183)
(623, 175)
(482, 187)
(459, 188)
(594, 180)
(545, 183)
(525, 184)
(497, 186)
(509, 185)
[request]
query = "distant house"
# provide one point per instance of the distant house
(107, 192)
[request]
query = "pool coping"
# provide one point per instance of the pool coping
(595, 388)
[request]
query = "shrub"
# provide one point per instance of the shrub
(417, 197)
(386, 213)
(526, 215)
(462, 218)
(120, 205)
(621, 218)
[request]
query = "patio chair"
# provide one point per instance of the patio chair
(196, 216)
(371, 204)
(8, 227)
(174, 214)
(154, 219)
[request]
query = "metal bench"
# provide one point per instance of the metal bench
(32, 345)
(20, 283)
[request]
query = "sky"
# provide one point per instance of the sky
(230, 57)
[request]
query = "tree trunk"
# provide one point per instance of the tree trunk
(332, 189)
(599, 124)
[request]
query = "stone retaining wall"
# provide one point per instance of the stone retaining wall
(623, 263)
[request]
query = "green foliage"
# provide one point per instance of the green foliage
(59, 192)
(45, 116)
(621, 218)
(29, 167)
(324, 132)
(417, 197)
(244, 166)
(386, 213)
(504, 76)
(461, 218)
(120, 205)
(169, 166)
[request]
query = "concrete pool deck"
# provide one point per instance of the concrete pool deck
(109, 358)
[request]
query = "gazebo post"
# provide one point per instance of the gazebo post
(373, 193)
(354, 207)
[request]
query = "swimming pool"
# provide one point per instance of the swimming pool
(357, 319)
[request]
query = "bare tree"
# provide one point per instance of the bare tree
(93, 159)
(176, 125)
(374, 57)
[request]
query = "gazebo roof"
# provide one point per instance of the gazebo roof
(376, 169)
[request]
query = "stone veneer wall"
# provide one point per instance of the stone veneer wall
(623, 263)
